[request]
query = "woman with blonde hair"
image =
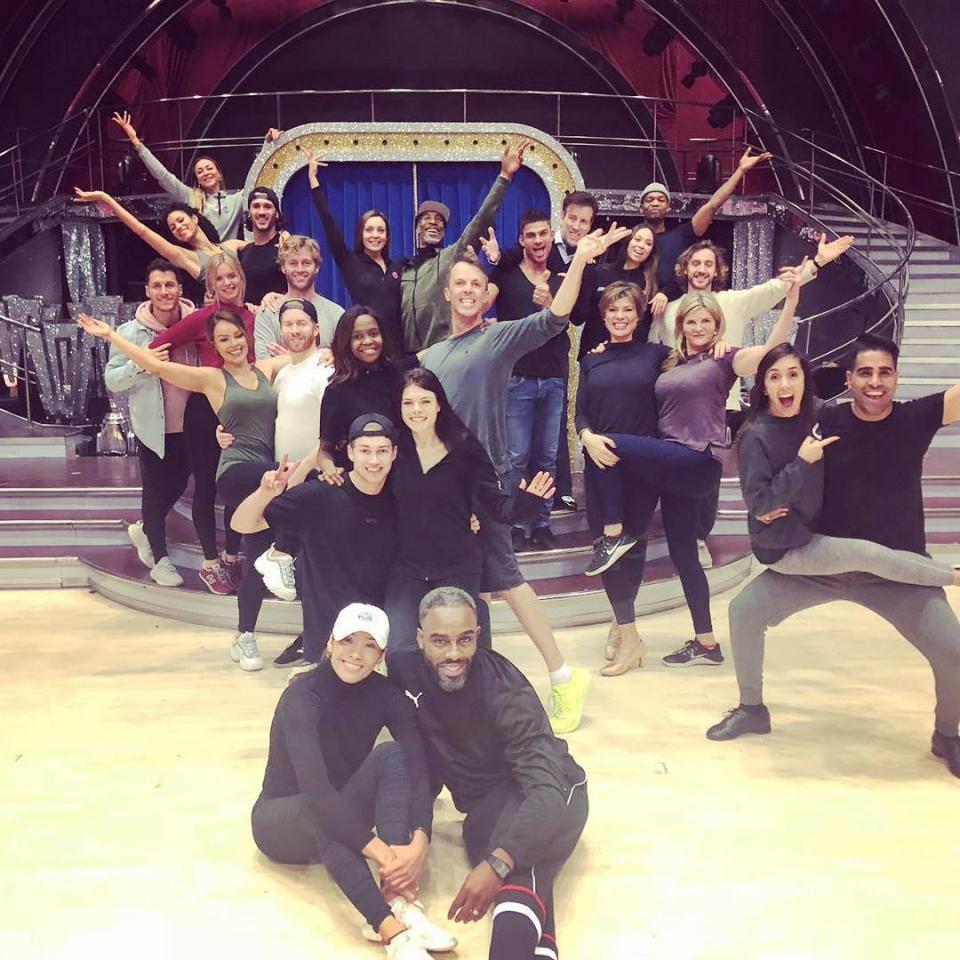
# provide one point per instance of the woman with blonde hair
(683, 462)
(226, 285)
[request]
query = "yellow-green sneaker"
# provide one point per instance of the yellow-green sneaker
(567, 700)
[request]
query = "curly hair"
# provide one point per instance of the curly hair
(720, 255)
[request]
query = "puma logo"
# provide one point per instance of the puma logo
(415, 699)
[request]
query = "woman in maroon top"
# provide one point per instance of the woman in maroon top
(226, 285)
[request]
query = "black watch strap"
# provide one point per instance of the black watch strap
(500, 867)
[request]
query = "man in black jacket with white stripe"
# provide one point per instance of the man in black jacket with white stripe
(489, 741)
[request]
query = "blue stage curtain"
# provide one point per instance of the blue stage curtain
(353, 188)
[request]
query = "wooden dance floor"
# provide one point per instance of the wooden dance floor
(133, 750)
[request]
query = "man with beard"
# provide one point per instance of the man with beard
(871, 491)
(300, 260)
(260, 258)
(425, 315)
(489, 742)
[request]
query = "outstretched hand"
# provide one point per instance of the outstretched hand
(313, 165)
(793, 282)
(595, 244)
(748, 161)
(475, 895)
(828, 252)
(490, 246)
(658, 305)
(122, 120)
(274, 482)
(512, 159)
(541, 485)
(88, 196)
(96, 328)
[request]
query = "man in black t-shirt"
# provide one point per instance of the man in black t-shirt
(259, 259)
(535, 402)
(347, 533)
(872, 491)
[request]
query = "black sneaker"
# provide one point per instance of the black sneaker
(607, 551)
(292, 656)
(568, 503)
(948, 750)
(694, 653)
(519, 538)
(741, 720)
(543, 538)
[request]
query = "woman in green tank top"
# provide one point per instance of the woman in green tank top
(242, 397)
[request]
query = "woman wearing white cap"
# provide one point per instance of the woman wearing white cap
(326, 785)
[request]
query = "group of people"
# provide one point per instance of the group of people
(385, 463)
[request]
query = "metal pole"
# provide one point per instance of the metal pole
(464, 108)
(373, 107)
(16, 185)
(278, 124)
(180, 136)
(86, 125)
(656, 160)
(883, 196)
(100, 148)
(813, 157)
(558, 117)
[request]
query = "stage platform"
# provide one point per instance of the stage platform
(136, 750)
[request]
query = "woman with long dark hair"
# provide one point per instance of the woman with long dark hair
(781, 475)
(241, 395)
(441, 473)
(371, 276)
(637, 263)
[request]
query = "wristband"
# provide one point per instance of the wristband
(500, 867)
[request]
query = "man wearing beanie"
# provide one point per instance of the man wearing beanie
(425, 314)
(347, 533)
(655, 204)
(259, 259)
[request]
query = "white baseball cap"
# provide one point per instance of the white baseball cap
(362, 618)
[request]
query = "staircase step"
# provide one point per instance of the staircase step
(917, 318)
(922, 287)
(943, 367)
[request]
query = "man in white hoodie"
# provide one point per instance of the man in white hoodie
(156, 416)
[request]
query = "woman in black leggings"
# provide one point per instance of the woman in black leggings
(240, 394)
(327, 786)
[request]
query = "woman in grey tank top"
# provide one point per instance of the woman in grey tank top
(196, 239)
(242, 397)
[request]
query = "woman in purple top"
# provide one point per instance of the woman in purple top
(684, 462)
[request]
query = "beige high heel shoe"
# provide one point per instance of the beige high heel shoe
(612, 645)
(624, 660)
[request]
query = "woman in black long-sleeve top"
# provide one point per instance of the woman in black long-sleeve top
(367, 270)
(442, 474)
(615, 395)
(326, 785)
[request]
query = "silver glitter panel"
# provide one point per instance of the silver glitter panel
(462, 142)
(84, 259)
(753, 241)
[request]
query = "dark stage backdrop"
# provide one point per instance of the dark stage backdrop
(353, 188)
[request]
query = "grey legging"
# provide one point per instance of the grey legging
(824, 556)
(921, 614)
(378, 792)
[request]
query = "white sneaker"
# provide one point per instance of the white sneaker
(244, 651)
(165, 573)
(405, 946)
(411, 915)
(703, 555)
(139, 539)
(277, 573)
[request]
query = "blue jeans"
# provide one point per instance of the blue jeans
(534, 412)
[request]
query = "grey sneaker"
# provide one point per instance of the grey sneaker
(165, 573)
(277, 572)
(139, 539)
(244, 651)
(703, 555)
(607, 551)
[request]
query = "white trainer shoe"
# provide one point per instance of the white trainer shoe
(405, 946)
(277, 573)
(703, 555)
(411, 915)
(244, 651)
(165, 573)
(139, 539)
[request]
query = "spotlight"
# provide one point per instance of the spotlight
(722, 113)
(697, 70)
(658, 39)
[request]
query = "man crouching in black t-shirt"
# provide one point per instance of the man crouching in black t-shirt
(488, 739)
(347, 533)
(872, 491)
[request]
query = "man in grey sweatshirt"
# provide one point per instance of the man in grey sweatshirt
(474, 365)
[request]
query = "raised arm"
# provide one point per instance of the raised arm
(704, 216)
(168, 182)
(185, 259)
(746, 361)
(194, 379)
(338, 247)
(588, 250)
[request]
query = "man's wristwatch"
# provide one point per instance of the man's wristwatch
(500, 867)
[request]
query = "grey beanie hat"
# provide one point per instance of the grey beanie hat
(655, 188)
